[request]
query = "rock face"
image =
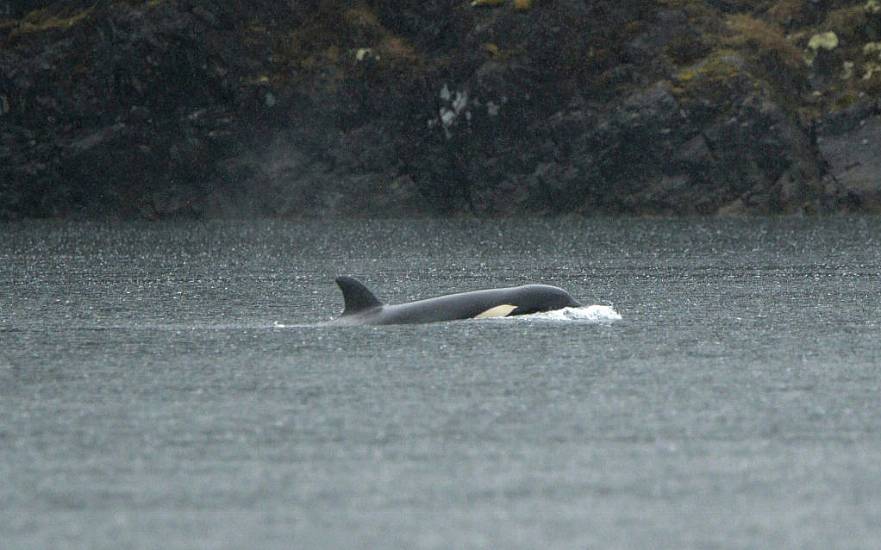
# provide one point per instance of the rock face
(849, 142)
(202, 108)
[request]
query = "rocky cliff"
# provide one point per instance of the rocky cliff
(195, 108)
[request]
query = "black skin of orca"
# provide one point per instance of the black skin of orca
(363, 308)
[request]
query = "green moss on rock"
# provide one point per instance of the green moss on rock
(46, 20)
(713, 80)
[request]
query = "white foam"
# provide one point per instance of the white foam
(590, 314)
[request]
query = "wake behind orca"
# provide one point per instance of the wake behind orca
(363, 308)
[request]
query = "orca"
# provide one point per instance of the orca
(363, 308)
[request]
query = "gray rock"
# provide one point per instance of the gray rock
(854, 161)
(191, 109)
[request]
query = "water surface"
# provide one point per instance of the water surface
(165, 386)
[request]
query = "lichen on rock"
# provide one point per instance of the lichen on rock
(824, 41)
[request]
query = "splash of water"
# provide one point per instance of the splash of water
(590, 314)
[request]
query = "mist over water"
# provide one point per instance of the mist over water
(170, 385)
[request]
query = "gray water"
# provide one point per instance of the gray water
(165, 386)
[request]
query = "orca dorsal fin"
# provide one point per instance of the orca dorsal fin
(356, 296)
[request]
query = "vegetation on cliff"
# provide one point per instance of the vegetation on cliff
(198, 108)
